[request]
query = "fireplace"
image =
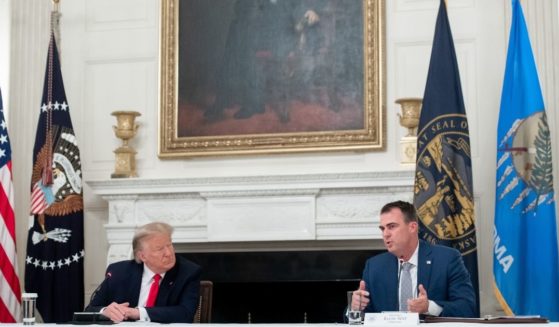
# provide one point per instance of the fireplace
(281, 286)
(301, 238)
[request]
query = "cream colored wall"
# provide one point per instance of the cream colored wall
(110, 62)
(4, 44)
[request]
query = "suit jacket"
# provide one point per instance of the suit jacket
(177, 298)
(440, 270)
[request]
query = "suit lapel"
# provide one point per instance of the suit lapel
(392, 294)
(135, 284)
(166, 286)
(424, 263)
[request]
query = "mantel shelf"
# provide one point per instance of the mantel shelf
(282, 209)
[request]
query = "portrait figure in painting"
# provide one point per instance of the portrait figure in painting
(270, 66)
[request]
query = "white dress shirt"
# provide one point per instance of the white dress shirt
(147, 280)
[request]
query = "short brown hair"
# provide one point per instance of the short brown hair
(407, 209)
(147, 230)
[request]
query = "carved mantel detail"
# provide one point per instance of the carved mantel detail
(287, 209)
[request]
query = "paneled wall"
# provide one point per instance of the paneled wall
(110, 55)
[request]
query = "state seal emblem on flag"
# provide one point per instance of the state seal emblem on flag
(441, 185)
(64, 194)
(525, 150)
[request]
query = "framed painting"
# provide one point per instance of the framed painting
(271, 76)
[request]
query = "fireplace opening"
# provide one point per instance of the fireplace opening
(281, 286)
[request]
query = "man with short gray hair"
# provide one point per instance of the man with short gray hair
(156, 286)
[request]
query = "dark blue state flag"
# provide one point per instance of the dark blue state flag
(443, 193)
(55, 247)
(525, 258)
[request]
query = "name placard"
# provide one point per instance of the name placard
(392, 318)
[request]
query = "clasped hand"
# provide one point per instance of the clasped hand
(119, 312)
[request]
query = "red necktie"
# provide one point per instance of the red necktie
(153, 290)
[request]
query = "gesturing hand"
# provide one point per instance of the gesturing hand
(360, 297)
(421, 303)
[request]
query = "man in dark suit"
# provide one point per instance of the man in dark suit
(260, 41)
(414, 275)
(157, 286)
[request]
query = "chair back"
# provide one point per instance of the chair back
(204, 311)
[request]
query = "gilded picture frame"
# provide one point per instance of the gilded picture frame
(228, 88)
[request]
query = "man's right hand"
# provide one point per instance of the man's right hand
(116, 312)
(360, 298)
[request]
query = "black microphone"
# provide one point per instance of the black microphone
(107, 276)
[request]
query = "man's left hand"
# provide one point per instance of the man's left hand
(132, 313)
(421, 303)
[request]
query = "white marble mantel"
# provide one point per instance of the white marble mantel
(285, 209)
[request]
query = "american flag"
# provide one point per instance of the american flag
(10, 293)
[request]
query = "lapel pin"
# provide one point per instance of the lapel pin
(428, 262)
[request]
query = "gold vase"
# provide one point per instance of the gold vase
(409, 118)
(125, 155)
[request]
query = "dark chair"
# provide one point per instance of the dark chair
(204, 311)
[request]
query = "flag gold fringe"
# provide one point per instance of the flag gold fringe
(502, 300)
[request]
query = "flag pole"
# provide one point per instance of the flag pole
(47, 172)
(55, 21)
